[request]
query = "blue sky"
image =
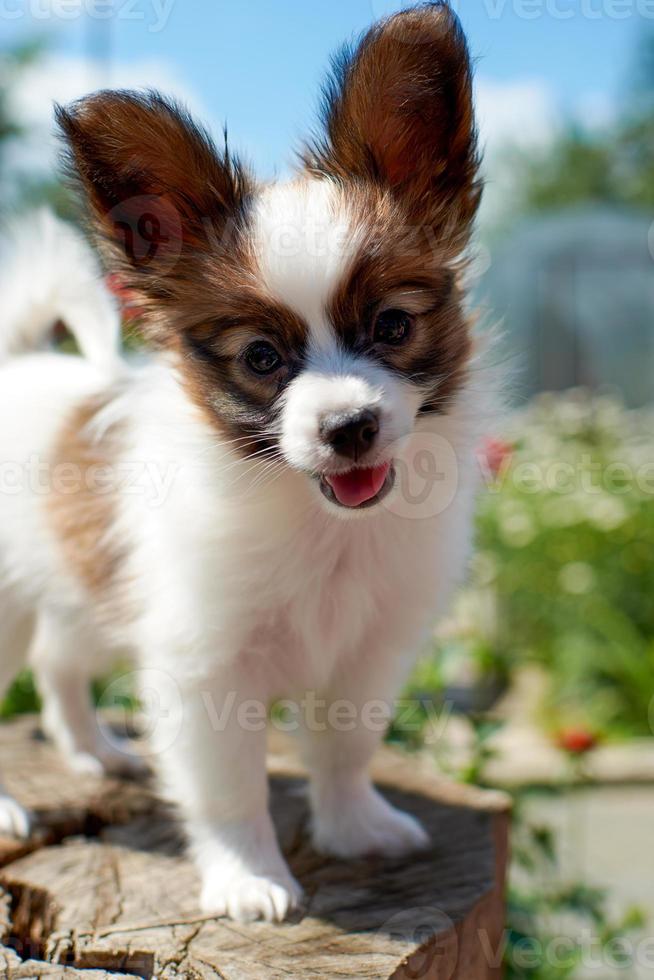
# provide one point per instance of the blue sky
(258, 63)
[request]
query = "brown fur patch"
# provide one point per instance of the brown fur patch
(171, 214)
(82, 503)
(163, 200)
(211, 356)
(399, 114)
(400, 137)
(404, 266)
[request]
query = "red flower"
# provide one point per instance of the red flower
(577, 741)
(496, 454)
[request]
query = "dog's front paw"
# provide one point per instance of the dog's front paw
(15, 820)
(248, 897)
(367, 824)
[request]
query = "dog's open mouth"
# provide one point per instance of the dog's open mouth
(358, 488)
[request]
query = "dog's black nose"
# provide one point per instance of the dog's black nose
(350, 435)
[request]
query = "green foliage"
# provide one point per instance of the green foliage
(24, 191)
(566, 547)
(12, 62)
(21, 698)
(564, 569)
(408, 727)
(482, 752)
(611, 164)
(614, 166)
(576, 168)
(557, 929)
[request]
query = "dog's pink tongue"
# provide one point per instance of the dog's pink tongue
(354, 488)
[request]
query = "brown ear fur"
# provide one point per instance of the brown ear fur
(398, 111)
(156, 184)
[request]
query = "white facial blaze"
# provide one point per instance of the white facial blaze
(306, 239)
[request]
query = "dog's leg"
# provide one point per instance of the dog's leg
(350, 817)
(16, 631)
(209, 740)
(64, 656)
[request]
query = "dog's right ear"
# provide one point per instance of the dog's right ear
(398, 111)
(155, 183)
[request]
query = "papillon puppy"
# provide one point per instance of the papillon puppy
(301, 445)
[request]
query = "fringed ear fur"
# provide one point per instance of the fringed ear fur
(398, 111)
(155, 183)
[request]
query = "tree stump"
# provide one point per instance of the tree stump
(102, 889)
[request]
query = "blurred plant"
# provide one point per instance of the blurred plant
(578, 744)
(577, 741)
(551, 924)
(21, 698)
(23, 190)
(12, 63)
(566, 544)
(469, 670)
(481, 749)
(564, 570)
(613, 163)
(410, 736)
(554, 926)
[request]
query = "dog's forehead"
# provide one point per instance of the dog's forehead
(306, 235)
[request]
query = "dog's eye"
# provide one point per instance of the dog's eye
(392, 327)
(262, 358)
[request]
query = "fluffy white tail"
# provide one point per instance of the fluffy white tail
(48, 273)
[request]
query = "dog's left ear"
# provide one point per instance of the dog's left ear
(399, 112)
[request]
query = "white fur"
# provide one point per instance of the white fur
(248, 585)
(306, 239)
(49, 273)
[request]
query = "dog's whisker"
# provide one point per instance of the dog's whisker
(254, 467)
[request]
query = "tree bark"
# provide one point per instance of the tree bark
(102, 889)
